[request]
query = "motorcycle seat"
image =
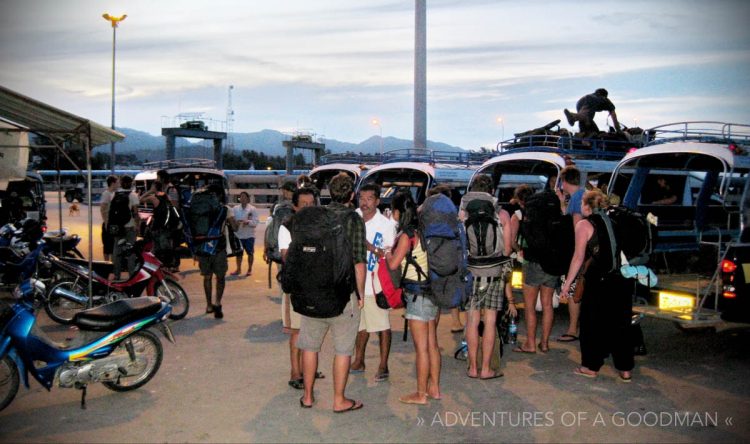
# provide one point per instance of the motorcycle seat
(111, 316)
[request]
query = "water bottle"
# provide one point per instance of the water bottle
(513, 330)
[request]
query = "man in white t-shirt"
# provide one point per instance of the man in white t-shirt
(244, 219)
(381, 235)
(290, 320)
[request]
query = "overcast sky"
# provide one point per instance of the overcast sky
(332, 66)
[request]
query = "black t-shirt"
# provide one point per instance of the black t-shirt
(595, 103)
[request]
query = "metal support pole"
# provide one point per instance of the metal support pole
(112, 144)
(420, 74)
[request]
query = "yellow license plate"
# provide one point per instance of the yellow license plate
(670, 300)
(516, 280)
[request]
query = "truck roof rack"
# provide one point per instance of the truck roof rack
(179, 163)
(700, 131)
(353, 158)
(436, 156)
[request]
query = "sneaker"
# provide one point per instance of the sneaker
(569, 116)
(218, 314)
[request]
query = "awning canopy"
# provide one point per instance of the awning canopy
(43, 119)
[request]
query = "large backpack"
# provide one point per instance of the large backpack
(621, 230)
(444, 239)
(281, 214)
(205, 217)
(119, 213)
(318, 273)
(484, 235)
(166, 216)
(549, 235)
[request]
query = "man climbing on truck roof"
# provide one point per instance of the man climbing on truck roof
(587, 107)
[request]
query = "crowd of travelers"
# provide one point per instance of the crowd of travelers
(332, 261)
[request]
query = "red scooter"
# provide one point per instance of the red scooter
(69, 293)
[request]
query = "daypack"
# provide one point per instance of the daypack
(485, 238)
(119, 213)
(391, 293)
(444, 239)
(318, 273)
(205, 216)
(549, 235)
(281, 214)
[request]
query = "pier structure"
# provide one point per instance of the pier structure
(196, 133)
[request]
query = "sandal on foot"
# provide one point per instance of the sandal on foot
(303, 405)
(298, 384)
(495, 376)
(624, 378)
(382, 376)
(585, 374)
(523, 350)
(567, 338)
(356, 405)
(319, 375)
(542, 348)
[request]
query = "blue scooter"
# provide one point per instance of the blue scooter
(113, 347)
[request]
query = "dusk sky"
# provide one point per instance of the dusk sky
(332, 66)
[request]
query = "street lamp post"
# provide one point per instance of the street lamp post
(114, 21)
(501, 121)
(376, 122)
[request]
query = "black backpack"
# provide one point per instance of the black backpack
(484, 238)
(620, 229)
(318, 273)
(205, 216)
(549, 235)
(119, 213)
(280, 215)
(165, 215)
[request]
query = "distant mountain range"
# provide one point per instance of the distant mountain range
(149, 147)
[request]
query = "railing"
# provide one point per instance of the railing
(430, 156)
(699, 131)
(613, 147)
(179, 163)
(352, 158)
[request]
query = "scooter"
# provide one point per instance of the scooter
(19, 253)
(69, 293)
(60, 243)
(113, 347)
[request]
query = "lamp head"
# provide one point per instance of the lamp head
(114, 20)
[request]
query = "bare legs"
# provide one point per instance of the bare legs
(529, 299)
(488, 342)
(340, 376)
(358, 363)
(428, 362)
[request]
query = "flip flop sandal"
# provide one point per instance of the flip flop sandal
(298, 384)
(567, 338)
(578, 371)
(521, 350)
(356, 405)
(380, 377)
(495, 376)
(303, 405)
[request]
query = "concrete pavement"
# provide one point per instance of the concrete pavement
(226, 381)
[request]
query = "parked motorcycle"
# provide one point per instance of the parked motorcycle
(68, 295)
(60, 243)
(20, 247)
(113, 347)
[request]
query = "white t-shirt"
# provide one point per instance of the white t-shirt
(105, 200)
(381, 232)
(249, 213)
(285, 238)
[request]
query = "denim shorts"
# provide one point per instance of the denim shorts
(534, 276)
(421, 309)
(248, 245)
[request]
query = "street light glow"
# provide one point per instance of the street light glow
(114, 20)
(376, 122)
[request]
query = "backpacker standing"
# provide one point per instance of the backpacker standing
(570, 179)
(343, 327)
(421, 312)
(488, 232)
(176, 236)
(123, 212)
(163, 218)
(607, 302)
(107, 195)
(207, 220)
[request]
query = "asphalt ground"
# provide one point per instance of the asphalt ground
(226, 381)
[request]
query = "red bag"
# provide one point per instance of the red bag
(390, 294)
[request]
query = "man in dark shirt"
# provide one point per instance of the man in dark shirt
(345, 326)
(586, 107)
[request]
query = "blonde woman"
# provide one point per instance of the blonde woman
(607, 304)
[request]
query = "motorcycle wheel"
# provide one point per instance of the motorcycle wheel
(9, 381)
(68, 197)
(170, 291)
(62, 310)
(143, 363)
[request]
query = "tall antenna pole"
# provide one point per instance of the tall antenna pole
(420, 74)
